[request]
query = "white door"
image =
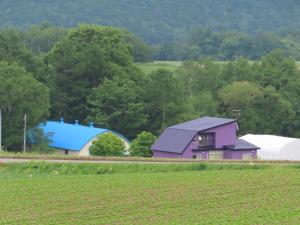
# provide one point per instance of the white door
(216, 155)
(247, 156)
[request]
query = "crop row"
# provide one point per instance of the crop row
(207, 197)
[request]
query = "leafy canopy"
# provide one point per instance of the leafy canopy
(82, 61)
(141, 145)
(20, 93)
(107, 144)
(118, 104)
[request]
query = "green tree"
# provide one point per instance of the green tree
(243, 97)
(262, 110)
(200, 80)
(38, 141)
(107, 144)
(276, 69)
(203, 104)
(20, 93)
(240, 70)
(140, 51)
(164, 99)
(40, 39)
(292, 93)
(276, 113)
(12, 49)
(141, 145)
(264, 43)
(200, 76)
(118, 104)
(82, 61)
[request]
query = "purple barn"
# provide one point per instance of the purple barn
(206, 138)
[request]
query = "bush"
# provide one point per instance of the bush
(141, 145)
(107, 144)
(38, 141)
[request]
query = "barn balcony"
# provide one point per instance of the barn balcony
(205, 142)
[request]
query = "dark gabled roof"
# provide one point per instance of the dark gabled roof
(176, 138)
(203, 123)
(242, 145)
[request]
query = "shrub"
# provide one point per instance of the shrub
(141, 145)
(107, 144)
(38, 141)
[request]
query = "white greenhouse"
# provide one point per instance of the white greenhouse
(275, 147)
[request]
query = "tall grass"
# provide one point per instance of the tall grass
(46, 168)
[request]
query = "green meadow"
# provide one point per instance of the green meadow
(153, 193)
(152, 66)
(169, 65)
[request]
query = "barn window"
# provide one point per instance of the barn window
(66, 152)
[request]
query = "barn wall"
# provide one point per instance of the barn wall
(204, 155)
(238, 154)
(225, 135)
(85, 151)
(158, 154)
(62, 152)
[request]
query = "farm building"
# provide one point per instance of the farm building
(275, 147)
(74, 139)
(206, 138)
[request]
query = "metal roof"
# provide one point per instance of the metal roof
(176, 138)
(71, 136)
(203, 123)
(241, 145)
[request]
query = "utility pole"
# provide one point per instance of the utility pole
(0, 131)
(24, 146)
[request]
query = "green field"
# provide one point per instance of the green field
(43, 193)
(169, 65)
(150, 67)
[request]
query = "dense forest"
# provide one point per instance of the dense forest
(156, 21)
(90, 75)
(227, 45)
(174, 30)
(199, 43)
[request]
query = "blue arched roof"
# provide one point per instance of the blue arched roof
(71, 136)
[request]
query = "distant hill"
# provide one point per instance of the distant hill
(155, 20)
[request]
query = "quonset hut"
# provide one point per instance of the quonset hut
(75, 139)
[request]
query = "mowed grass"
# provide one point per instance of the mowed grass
(206, 194)
(150, 67)
(172, 65)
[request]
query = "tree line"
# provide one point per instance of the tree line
(196, 43)
(156, 21)
(90, 75)
(226, 45)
